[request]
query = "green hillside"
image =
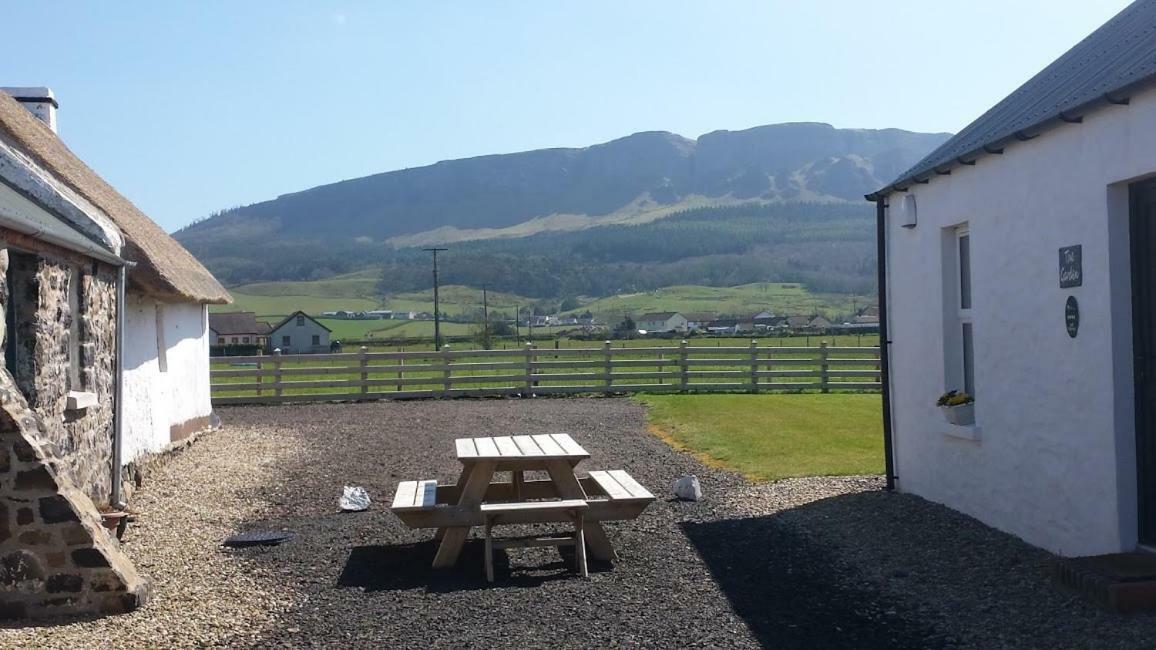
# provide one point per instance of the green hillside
(747, 299)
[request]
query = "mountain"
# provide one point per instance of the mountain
(632, 180)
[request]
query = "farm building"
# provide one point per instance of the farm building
(106, 358)
(299, 333)
(699, 320)
(1018, 264)
(665, 321)
(237, 328)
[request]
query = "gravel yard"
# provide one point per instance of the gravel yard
(817, 562)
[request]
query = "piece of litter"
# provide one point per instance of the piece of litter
(258, 538)
(354, 499)
(688, 488)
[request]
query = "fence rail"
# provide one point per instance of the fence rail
(529, 371)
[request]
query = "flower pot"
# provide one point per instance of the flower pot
(962, 415)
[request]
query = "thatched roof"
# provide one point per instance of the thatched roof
(165, 270)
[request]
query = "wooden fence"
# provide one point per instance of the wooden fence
(529, 371)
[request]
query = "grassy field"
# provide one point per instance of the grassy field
(768, 437)
(358, 292)
(790, 299)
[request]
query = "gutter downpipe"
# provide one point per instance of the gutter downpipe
(118, 413)
(884, 341)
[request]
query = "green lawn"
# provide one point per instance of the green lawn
(768, 437)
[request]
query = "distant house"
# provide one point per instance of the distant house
(300, 333)
(771, 323)
(403, 315)
(866, 316)
(663, 321)
(818, 323)
(699, 320)
(237, 328)
(380, 314)
(766, 313)
(798, 322)
(730, 326)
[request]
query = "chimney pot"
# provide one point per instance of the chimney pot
(39, 101)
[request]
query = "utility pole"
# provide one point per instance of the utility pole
(517, 322)
(486, 317)
(437, 304)
(530, 324)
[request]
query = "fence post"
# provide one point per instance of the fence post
(260, 376)
(364, 363)
(400, 372)
(529, 370)
(683, 381)
(446, 380)
(823, 367)
(606, 367)
(278, 391)
(754, 366)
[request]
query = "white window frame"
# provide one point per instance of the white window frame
(965, 374)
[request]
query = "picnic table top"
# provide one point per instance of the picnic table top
(553, 446)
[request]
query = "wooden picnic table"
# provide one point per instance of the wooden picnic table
(556, 454)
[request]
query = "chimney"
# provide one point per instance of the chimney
(38, 100)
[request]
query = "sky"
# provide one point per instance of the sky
(192, 107)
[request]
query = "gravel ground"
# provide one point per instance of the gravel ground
(817, 562)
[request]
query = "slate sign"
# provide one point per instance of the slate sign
(1071, 266)
(1072, 316)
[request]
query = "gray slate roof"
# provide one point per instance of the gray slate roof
(1102, 68)
(237, 322)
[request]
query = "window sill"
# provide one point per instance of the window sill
(78, 401)
(963, 432)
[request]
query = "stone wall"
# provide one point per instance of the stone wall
(80, 440)
(55, 557)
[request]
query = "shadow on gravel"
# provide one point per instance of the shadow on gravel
(792, 594)
(407, 566)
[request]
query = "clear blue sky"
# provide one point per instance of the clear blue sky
(190, 107)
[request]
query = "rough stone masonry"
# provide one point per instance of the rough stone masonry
(55, 557)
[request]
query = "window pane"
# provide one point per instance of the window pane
(968, 361)
(965, 272)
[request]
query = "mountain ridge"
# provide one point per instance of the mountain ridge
(632, 179)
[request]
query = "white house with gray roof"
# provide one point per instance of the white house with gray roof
(299, 333)
(1018, 264)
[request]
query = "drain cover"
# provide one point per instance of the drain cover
(258, 538)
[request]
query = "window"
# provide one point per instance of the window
(74, 374)
(284, 341)
(162, 347)
(316, 340)
(220, 340)
(959, 339)
(244, 339)
(300, 321)
(966, 348)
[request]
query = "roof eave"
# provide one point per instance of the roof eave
(1118, 97)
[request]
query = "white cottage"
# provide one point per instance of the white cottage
(300, 333)
(1018, 263)
(165, 360)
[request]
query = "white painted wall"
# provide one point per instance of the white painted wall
(1055, 462)
(166, 389)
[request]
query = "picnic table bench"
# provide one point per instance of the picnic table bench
(476, 500)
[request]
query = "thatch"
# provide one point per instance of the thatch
(164, 270)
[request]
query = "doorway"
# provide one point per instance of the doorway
(1142, 226)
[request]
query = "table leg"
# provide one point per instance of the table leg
(462, 478)
(562, 474)
(519, 480)
(472, 494)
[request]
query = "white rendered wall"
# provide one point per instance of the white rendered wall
(1055, 462)
(156, 399)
